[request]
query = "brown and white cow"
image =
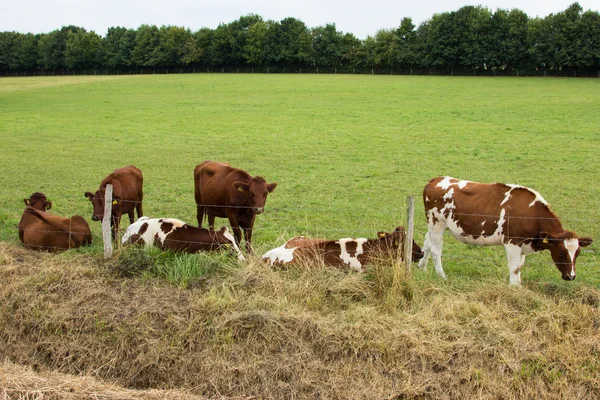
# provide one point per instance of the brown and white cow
(227, 192)
(127, 185)
(348, 252)
(39, 230)
(176, 235)
(483, 214)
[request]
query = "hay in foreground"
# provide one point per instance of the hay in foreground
(299, 333)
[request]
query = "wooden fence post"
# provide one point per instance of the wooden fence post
(410, 231)
(106, 228)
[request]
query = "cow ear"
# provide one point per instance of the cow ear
(89, 195)
(116, 200)
(585, 241)
(381, 235)
(26, 201)
(48, 205)
(240, 186)
(271, 187)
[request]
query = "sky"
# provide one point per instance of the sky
(362, 18)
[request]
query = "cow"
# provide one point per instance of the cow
(127, 196)
(176, 235)
(39, 230)
(348, 252)
(223, 191)
(38, 201)
(481, 214)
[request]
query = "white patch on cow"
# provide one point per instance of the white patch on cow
(176, 224)
(462, 184)
(494, 239)
(516, 259)
(445, 183)
(449, 194)
(572, 245)
(279, 255)
(352, 262)
(483, 223)
(538, 196)
(426, 198)
(230, 237)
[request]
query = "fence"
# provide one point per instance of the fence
(589, 72)
(590, 260)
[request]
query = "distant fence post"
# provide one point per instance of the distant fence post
(410, 231)
(106, 231)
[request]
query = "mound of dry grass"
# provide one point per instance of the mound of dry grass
(299, 333)
(18, 382)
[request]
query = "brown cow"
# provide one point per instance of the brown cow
(127, 195)
(39, 230)
(353, 253)
(227, 192)
(176, 235)
(483, 214)
(38, 201)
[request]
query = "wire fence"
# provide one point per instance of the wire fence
(567, 72)
(393, 217)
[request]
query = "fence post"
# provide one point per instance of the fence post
(106, 231)
(410, 231)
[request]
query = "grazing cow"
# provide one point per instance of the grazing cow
(227, 192)
(39, 230)
(127, 195)
(497, 214)
(353, 253)
(176, 235)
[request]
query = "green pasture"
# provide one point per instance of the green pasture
(345, 150)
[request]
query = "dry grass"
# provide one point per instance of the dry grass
(18, 382)
(297, 333)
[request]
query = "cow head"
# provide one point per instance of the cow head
(38, 201)
(97, 200)
(256, 192)
(564, 249)
(391, 242)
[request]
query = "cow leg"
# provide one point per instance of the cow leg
(516, 259)
(130, 213)
(114, 224)
(138, 208)
(434, 240)
(426, 253)
(211, 222)
(200, 215)
(248, 238)
(237, 231)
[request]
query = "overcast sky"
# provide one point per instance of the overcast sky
(362, 18)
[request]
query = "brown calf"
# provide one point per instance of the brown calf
(127, 185)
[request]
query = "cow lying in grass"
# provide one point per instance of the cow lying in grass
(352, 253)
(39, 230)
(176, 235)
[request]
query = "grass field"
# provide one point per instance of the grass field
(345, 150)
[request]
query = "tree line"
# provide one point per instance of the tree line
(472, 39)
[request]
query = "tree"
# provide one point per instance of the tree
(52, 46)
(7, 50)
(203, 39)
(83, 50)
(146, 52)
(118, 46)
(327, 46)
(407, 44)
(254, 49)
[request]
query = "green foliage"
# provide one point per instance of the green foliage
(470, 38)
